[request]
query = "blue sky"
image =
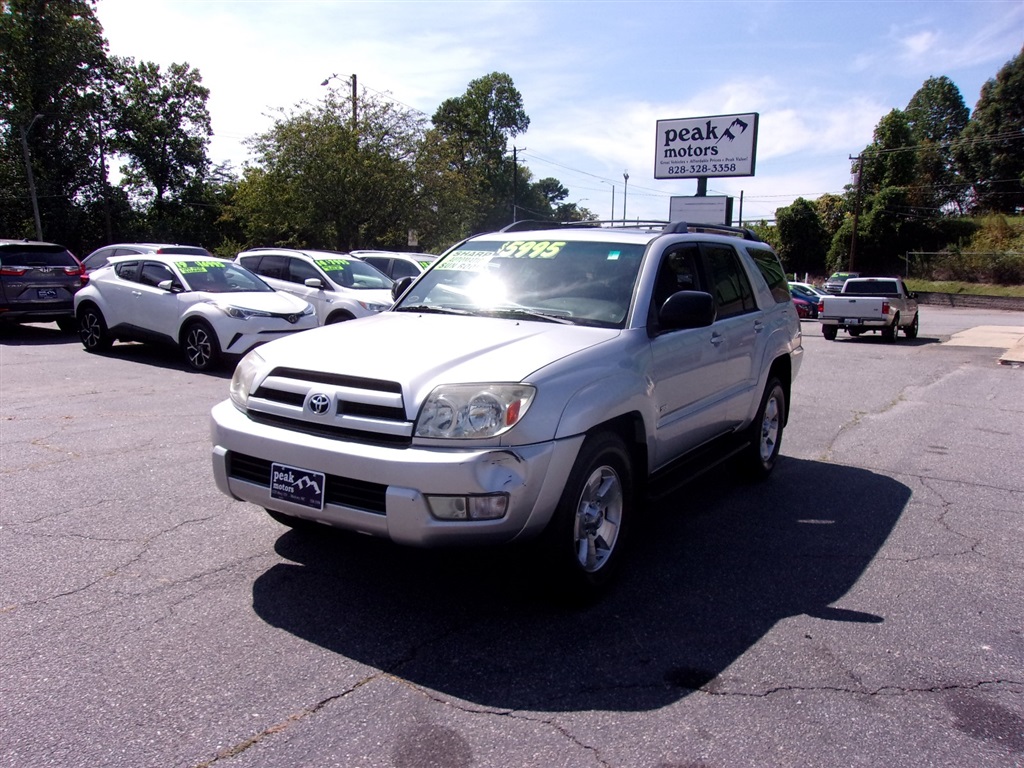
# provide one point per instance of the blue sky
(595, 76)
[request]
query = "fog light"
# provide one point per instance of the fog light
(491, 507)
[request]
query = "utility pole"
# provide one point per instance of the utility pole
(31, 177)
(613, 197)
(856, 211)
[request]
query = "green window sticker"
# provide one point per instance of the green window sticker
(332, 265)
(192, 267)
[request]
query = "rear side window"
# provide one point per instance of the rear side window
(36, 256)
(772, 272)
(729, 282)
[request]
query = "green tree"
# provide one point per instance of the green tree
(990, 152)
(889, 160)
(162, 130)
(317, 182)
(478, 127)
(802, 238)
(52, 61)
(937, 116)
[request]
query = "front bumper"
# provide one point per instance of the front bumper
(391, 484)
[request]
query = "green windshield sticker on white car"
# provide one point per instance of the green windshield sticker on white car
(332, 265)
(191, 267)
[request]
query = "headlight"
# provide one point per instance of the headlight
(473, 410)
(241, 382)
(370, 306)
(240, 313)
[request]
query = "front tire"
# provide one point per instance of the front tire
(584, 538)
(92, 329)
(200, 346)
(765, 433)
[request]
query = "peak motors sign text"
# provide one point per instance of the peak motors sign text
(696, 147)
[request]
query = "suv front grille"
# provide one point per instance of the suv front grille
(364, 410)
(340, 491)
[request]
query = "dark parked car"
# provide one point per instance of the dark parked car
(805, 306)
(38, 282)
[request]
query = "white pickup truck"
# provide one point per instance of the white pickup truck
(530, 384)
(865, 304)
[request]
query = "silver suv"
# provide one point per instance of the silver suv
(531, 384)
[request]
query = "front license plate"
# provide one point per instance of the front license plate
(300, 486)
(46, 293)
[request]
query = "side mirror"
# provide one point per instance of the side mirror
(400, 286)
(687, 309)
(313, 282)
(169, 285)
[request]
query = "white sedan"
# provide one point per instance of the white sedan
(206, 306)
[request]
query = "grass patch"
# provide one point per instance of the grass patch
(968, 289)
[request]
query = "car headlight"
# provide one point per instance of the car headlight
(245, 374)
(370, 306)
(240, 313)
(473, 410)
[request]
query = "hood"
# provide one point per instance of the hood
(278, 302)
(421, 351)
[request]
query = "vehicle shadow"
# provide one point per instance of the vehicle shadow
(34, 334)
(876, 338)
(713, 569)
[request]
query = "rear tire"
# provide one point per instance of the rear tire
(765, 433)
(911, 330)
(889, 332)
(829, 332)
(200, 346)
(92, 329)
(583, 541)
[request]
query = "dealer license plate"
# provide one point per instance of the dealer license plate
(297, 485)
(46, 293)
(853, 321)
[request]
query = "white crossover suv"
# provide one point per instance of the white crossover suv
(208, 307)
(338, 285)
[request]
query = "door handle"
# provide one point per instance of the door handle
(758, 326)
(717, 338)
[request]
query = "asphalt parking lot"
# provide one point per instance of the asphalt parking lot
(865, 607)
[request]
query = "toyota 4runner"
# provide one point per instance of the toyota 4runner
(532, 383)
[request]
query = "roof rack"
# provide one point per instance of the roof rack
(666, 227)
(530, 224)
(720, 229)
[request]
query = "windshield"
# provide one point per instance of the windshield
(216, 276)
(352, 273)
(586, 283)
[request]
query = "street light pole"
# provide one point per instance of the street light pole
(355, 96)
(610, 184)
(31, 177)
(625, 190)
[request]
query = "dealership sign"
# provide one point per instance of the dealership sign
(702, 147)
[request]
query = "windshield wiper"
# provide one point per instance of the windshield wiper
(433, 309)
(514, 312)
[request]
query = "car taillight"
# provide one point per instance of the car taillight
(885, 307)
(821, 305)
(12, 271)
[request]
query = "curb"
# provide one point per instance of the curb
(967, 300)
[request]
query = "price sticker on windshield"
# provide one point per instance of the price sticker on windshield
(531, 249)
(192, 267)
(332, 265)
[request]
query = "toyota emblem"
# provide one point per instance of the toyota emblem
(319, 404)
